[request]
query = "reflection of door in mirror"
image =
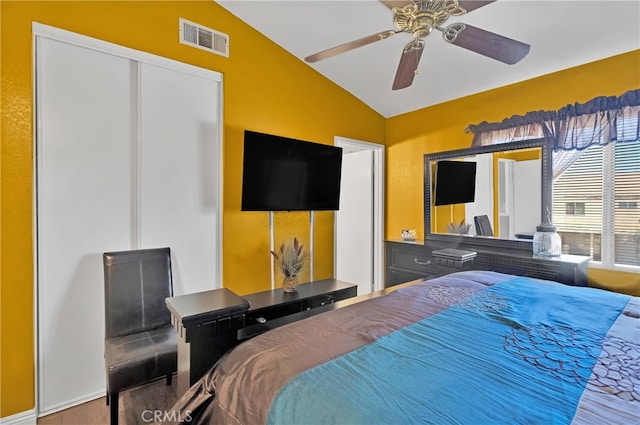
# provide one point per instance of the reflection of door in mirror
(527, 186)
(518, 188)
(484, 201)
(505, 198)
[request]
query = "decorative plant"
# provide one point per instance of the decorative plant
(461, 229)
(290, 258)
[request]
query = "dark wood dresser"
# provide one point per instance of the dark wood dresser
(407, 261)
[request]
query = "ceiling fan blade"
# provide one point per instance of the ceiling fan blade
(471, 5)
(486, 43)
(350, 46)
(408, 64)
(396, 3)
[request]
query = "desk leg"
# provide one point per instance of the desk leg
(205, 352)
(195, 358)
(184, 363)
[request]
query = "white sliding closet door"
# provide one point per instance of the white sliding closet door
(179, 169)
(84, 209)
(127, 157)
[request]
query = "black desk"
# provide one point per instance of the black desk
(269, 305)
(207, 324)
(212, 322)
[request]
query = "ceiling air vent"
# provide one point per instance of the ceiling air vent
(204, 38)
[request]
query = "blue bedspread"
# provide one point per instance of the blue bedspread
(518, 349)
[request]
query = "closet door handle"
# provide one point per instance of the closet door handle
(426, 263)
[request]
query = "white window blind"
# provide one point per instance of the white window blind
(607, 181)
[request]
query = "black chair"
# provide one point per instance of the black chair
(483, 226)
(140, 343)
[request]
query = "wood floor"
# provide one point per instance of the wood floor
(91, 413)
(137, 407)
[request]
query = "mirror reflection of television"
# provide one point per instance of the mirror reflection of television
(455, 182)
(283, 174)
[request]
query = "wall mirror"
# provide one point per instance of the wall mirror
(511, 193)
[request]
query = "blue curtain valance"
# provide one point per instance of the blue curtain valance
(602, 120)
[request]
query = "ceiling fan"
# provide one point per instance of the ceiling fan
(419, 18)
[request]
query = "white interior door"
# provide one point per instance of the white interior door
(354, 222)
(84, 135)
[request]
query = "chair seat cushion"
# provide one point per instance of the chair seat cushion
(140, 357)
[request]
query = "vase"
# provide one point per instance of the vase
(290, 283)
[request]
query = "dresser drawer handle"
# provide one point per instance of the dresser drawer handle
(426, 263)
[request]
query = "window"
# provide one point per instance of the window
(627, 205)
(574, 208)
(595, 204)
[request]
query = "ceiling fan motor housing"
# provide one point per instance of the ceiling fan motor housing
(421, 17)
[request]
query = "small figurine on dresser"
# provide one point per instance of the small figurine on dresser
(408, 235)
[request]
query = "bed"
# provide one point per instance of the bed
(472, 347)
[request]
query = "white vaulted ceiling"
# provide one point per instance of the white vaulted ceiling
(562, 34)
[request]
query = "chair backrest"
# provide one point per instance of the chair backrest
(136, 284)
(483, 226)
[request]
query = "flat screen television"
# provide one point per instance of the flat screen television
(455, 182)
(283, 174)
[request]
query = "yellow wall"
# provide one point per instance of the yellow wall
(265, 89)
(612, 280)
(441, 127)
